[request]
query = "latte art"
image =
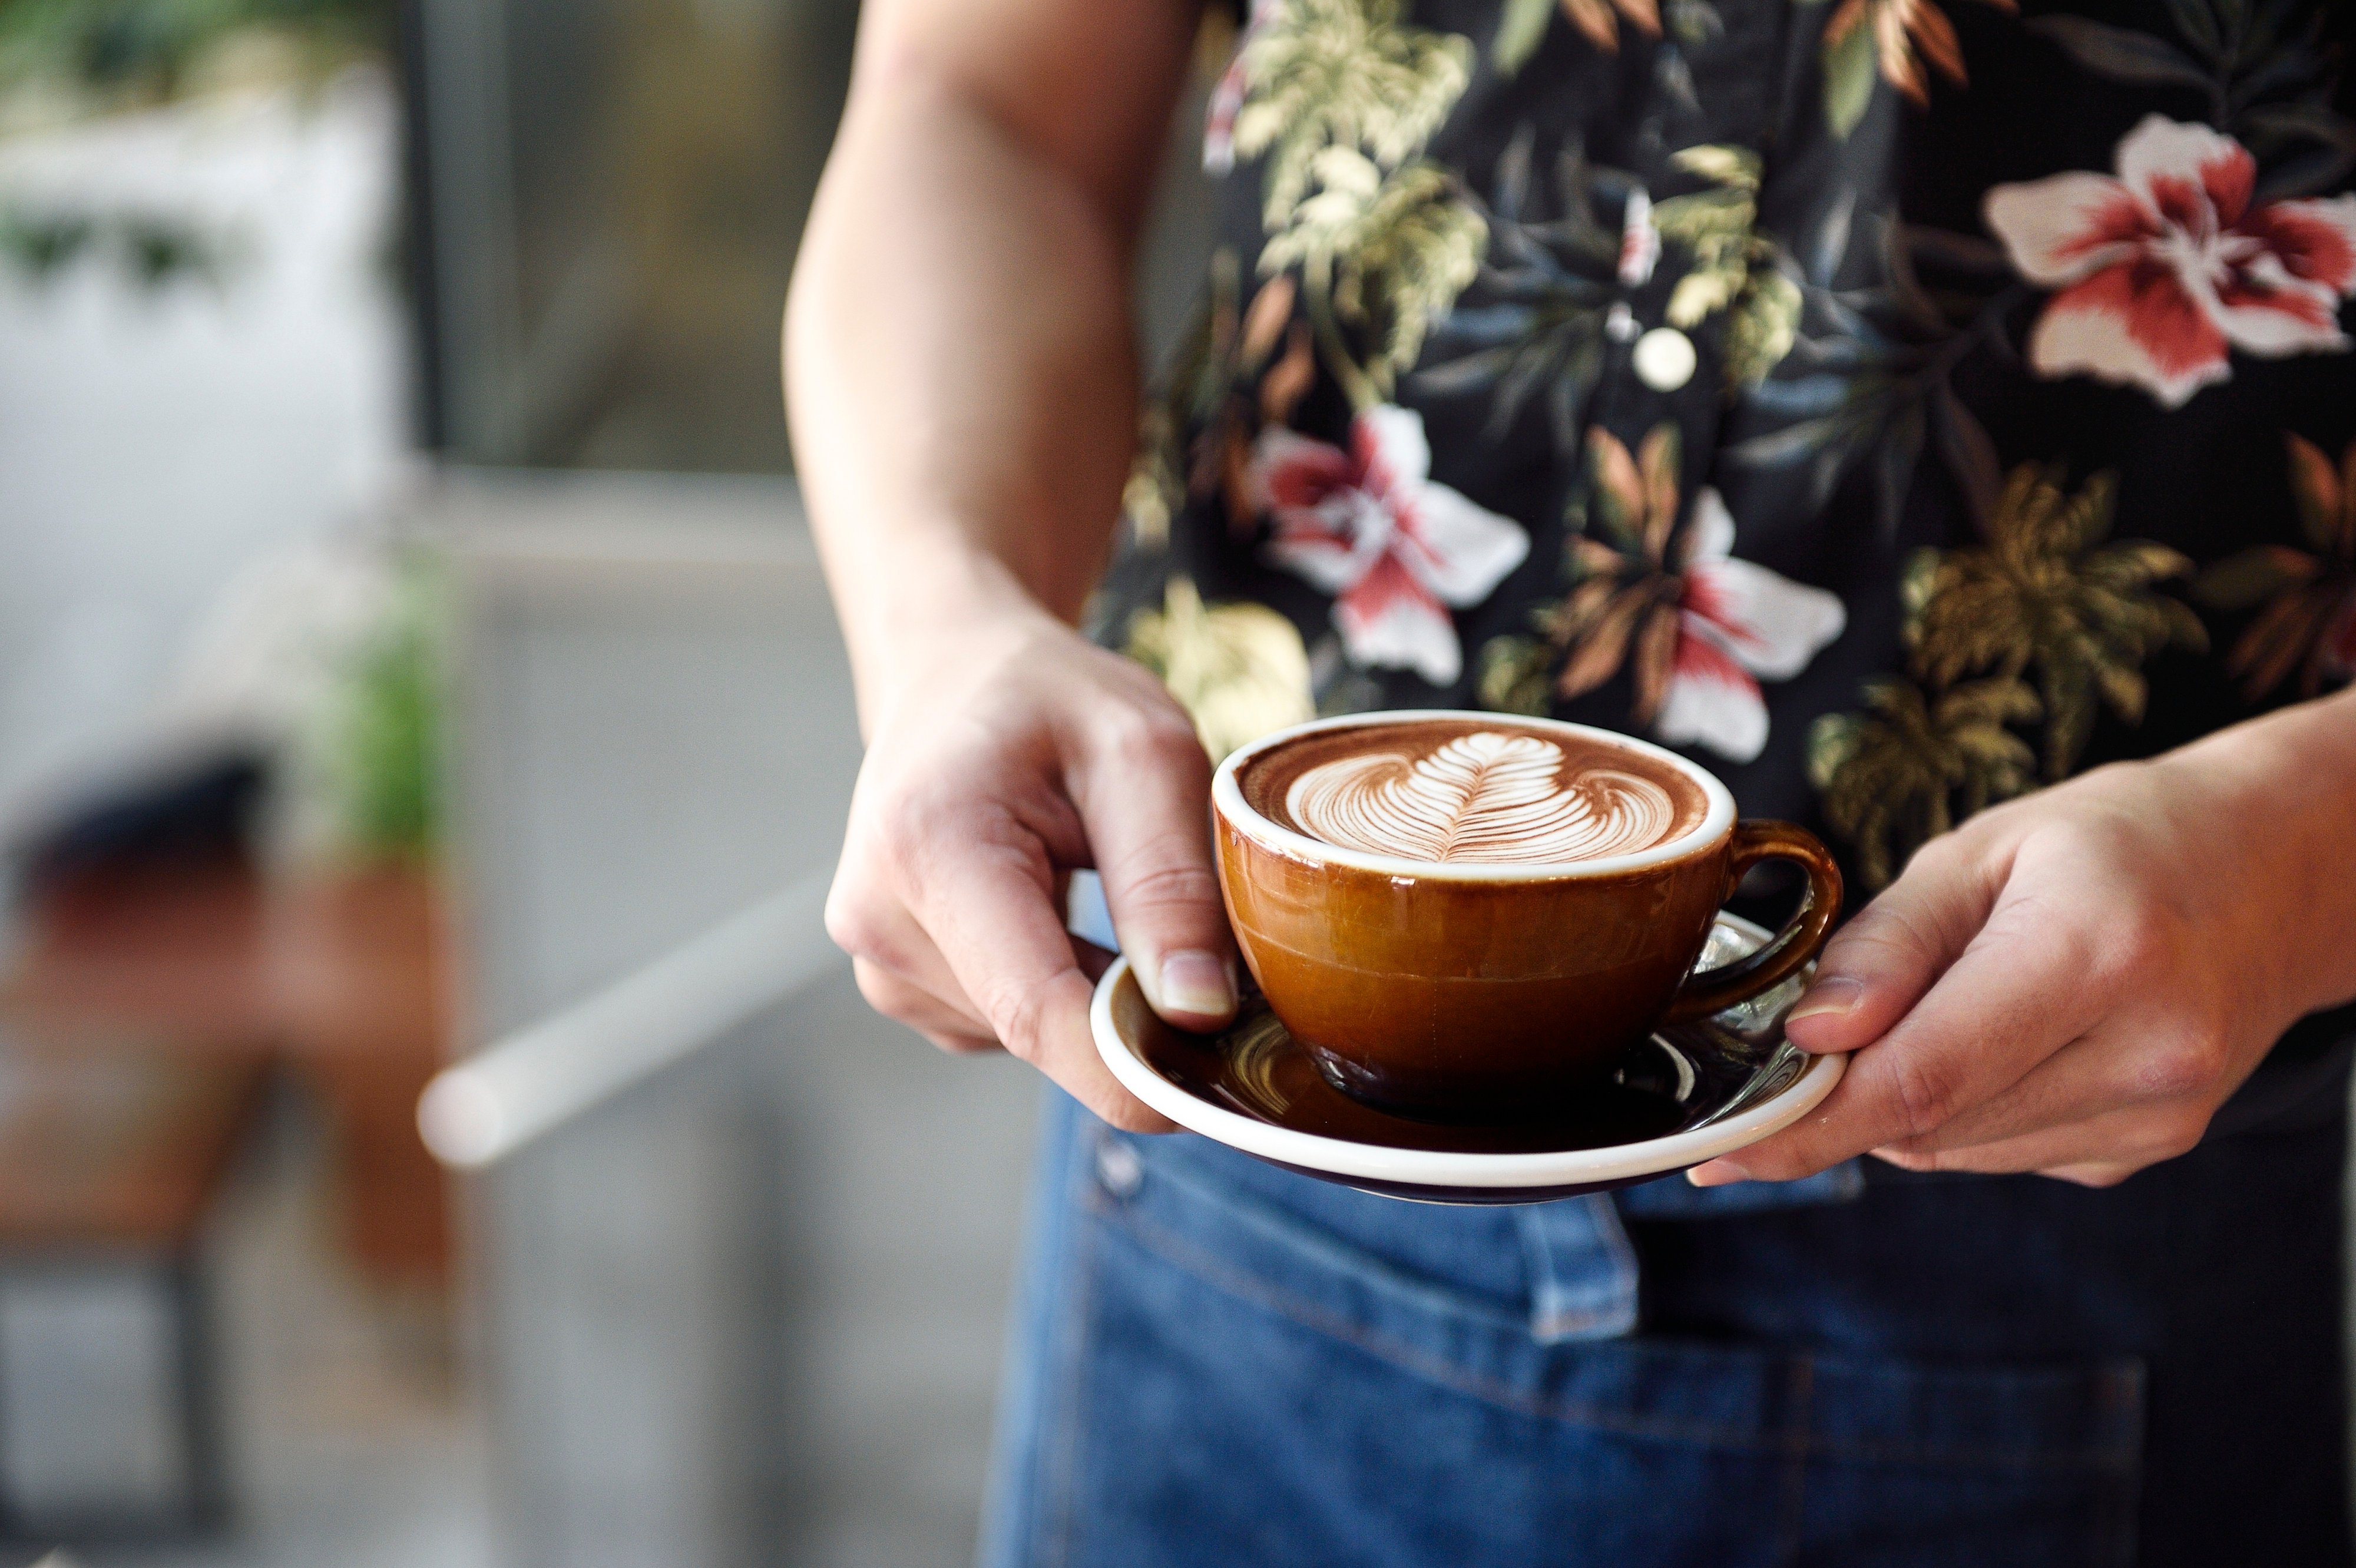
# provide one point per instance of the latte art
(1482, 796)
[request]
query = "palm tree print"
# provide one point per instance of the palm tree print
(1910, 767)
(1341, 95)
(1385, 255)
(2042, 626)
(1342, 73)
(2307, 623)
(1736, 268)
(2047, 596)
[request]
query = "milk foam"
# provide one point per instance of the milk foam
(1482, 797)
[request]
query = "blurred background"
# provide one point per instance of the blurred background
(414, 670)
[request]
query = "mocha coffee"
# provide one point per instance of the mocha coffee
(1472, 790)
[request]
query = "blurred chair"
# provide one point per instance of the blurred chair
(109, 1166)
(343, 979)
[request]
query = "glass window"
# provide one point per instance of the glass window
(613, 192)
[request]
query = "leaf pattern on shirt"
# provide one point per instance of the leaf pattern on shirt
(1239, 368)
(1869, 382)
(1521, 23)
(2304, 599)
(2266, 67)
(1239, 670)
(2046, 597)
(1340, 96)
(1736, 268)
(1382, 253)
(1342, 73)
(1894, 40)
(2037, 629)
(1696, 628)
(1911, 767)
(1529, 330)
(1478, 221)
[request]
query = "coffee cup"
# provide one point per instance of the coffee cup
(1464, 915)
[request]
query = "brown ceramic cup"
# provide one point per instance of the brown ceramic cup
(1459, 990)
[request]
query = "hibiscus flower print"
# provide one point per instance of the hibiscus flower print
(1367, 525)
(1696, 629)
(1737, 623)
(2159, 272)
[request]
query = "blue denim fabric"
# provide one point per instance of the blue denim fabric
(1217, 1362)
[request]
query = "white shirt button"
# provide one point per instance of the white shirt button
(1665, 358)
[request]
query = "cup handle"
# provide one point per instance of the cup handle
(1803, 935)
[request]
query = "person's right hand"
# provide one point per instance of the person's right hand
(1009, 752)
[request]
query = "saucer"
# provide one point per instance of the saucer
(1688, 1094)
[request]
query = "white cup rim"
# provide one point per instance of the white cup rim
(1227, 800)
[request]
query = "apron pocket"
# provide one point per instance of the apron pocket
(1253, 1383)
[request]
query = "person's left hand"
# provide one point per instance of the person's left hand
(2073, 982)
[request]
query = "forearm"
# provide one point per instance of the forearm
(960, 370)
(2280, 790)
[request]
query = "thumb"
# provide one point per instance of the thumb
(1879, 966)
(1148, 815)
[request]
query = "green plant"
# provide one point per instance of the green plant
(142, 48)
(387, 746)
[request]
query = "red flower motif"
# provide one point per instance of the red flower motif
(1396, 549)
(2164, 270)
(1228, 96)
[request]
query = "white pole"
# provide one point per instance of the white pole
(486, 1108)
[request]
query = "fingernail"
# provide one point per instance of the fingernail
(1716, 1173)
(1199, 983)
(1831, 996)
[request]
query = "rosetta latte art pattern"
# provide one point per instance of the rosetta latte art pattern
(1482, 797)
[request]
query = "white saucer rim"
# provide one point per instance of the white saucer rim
(1444, 1168)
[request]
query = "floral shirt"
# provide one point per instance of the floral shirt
(1898, 405)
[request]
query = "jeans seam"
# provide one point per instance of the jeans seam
(1216, 1272)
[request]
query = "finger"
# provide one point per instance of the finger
(876, 930)
(2119, 1142)
(946, 1026)
(2016, 995)
(2092, 1176)
(983, 889)
(2120, 1066)
(1143, 792)
(1894, 949)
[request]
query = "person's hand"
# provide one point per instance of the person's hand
(2073, 982)
(1011, 752)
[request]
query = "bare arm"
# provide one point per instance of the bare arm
(963, 379)
(959, 358)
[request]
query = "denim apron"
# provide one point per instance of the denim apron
(1217, 1363)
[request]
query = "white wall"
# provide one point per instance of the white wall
(152, 442)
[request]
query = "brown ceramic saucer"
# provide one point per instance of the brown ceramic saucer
(1688, 1094)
